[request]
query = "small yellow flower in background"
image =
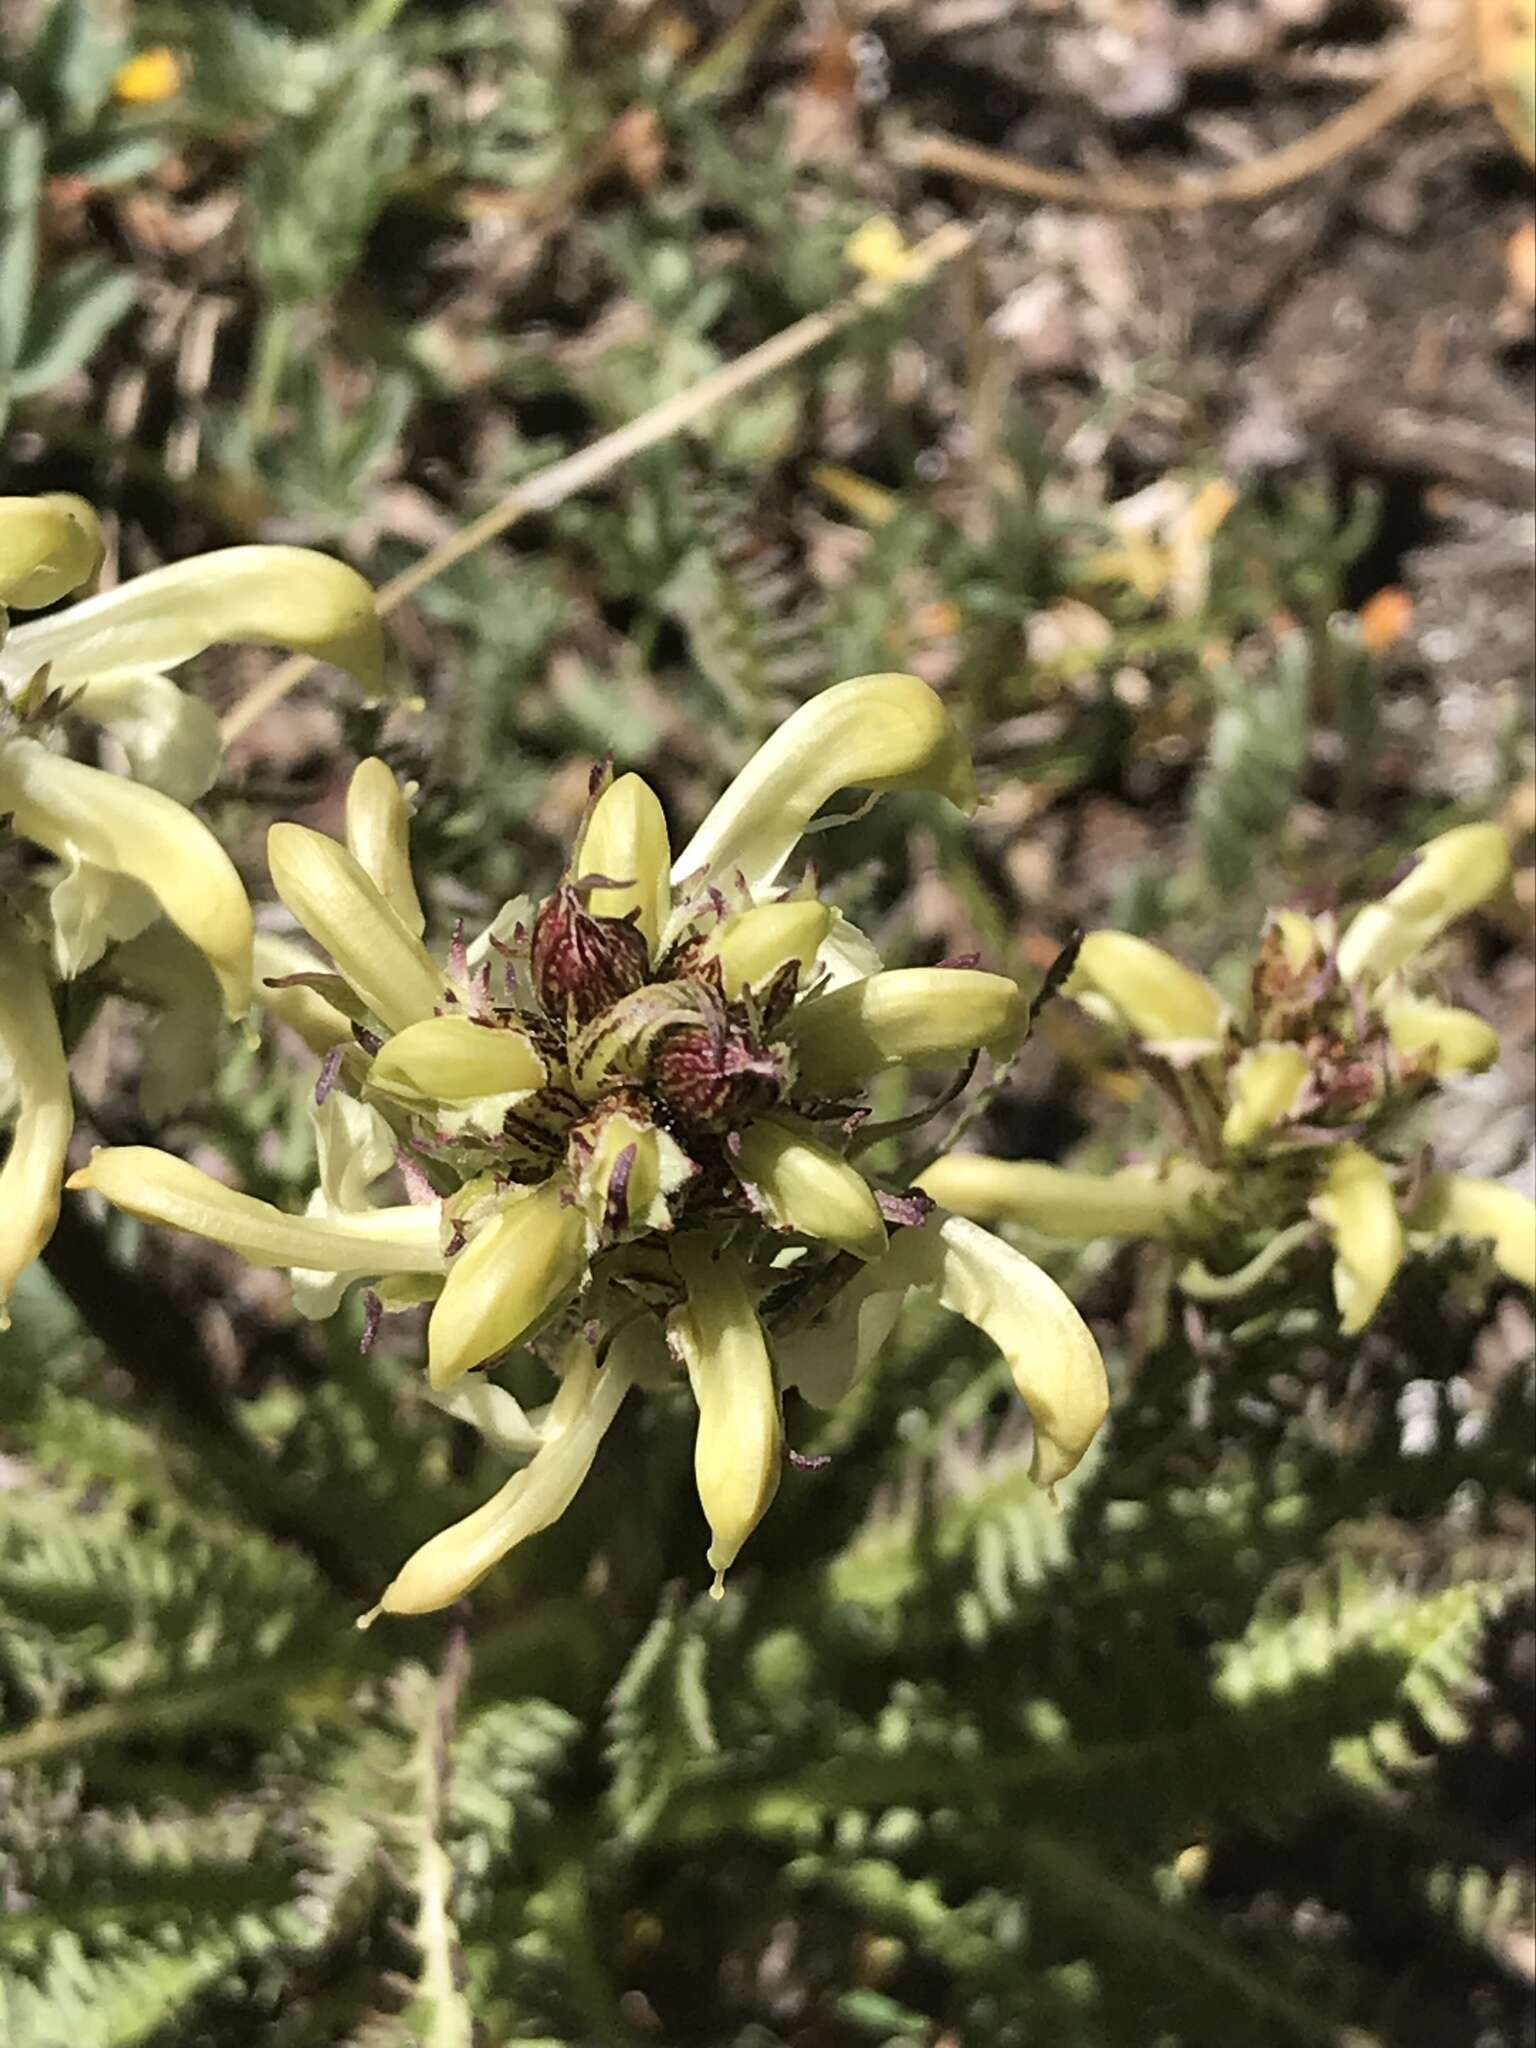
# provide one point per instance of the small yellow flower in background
(879, 249)
(1163, 545)
(127, 850)
(1450, 876)
(634, 1107)
(1281, 1112)
(153, 75)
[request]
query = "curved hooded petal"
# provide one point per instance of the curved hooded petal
(160, 1188)
(1452, 874)
(49, 545)
(379, 839)
(291, 596)
(1056, 1365)
(496, 1415)
(739, 1450)
(1128, 982)
(876, 732)
(84, 813)
(908, 1016)
(752, 946)
(1050, 1351)
(344, 911)
(1072, 1206)
(1460, 1205)
(514, 1269)
(452, 1563)
(626, 840)
(1357, 1204)
(32, 1052)
(1439, 1038)
(805, 1185)
(454, 1059)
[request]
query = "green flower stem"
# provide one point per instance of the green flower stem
(1196, 1278)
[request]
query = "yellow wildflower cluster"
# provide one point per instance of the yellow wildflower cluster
(126, 860)
(1289, 1119)
(626, 1119)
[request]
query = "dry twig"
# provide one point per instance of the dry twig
(1122, 193)
(547, 488)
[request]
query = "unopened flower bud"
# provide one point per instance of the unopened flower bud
(911, 1016)
(379, 839)
(521, 1263)
(583, 964)
(805, 1185)
(1290, 978)
(1265, 1087)
(1460, 1205)
(716, 1072)
(49, 545)
(618, 1041)
(626, 839)
(754, 946)
(738, 1453)
(1451, 875)
(456, 1059)
(1357, 1204)
(625, 1170)
(344, 911)
(1440, 1039)
(1128, 982)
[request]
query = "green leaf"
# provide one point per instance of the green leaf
(72, 313)
(21, 173)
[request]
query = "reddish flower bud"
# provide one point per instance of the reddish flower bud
(582, 963)
(716, 1072)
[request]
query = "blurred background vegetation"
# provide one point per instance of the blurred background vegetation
(1214, 527)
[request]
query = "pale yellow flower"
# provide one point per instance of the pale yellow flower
(1278, 1109)
(636, 1095)
(128, 851)
(1134, 985)
(1450, 876)
(1076, 1208)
